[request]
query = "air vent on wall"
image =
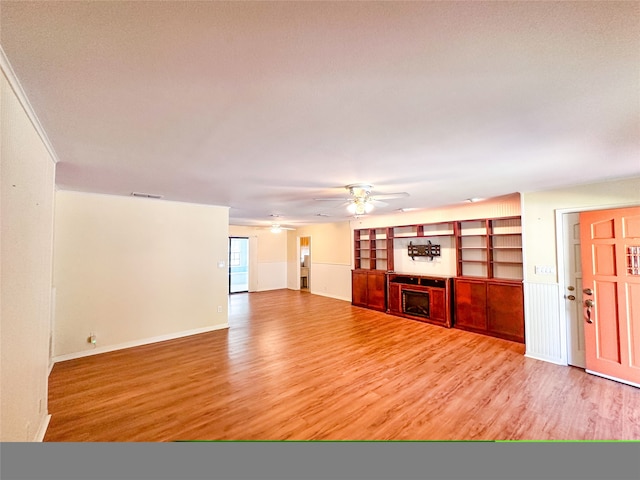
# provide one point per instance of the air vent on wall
(145, 195)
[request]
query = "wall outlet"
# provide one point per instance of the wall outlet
(219, 308)
(92, 339)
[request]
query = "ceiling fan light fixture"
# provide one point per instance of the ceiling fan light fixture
(360, 206)
(275, 228)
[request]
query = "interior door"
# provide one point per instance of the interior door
(573, 289)
(611, 290)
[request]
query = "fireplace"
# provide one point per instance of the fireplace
(415, 303)
(419, 297)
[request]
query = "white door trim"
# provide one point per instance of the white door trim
(560, 267)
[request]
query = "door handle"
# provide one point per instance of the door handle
(589, 304)
(588, 291)
(571, 297)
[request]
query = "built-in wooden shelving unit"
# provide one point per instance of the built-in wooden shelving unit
(487, 288)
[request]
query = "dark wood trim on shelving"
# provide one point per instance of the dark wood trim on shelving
(477, 273)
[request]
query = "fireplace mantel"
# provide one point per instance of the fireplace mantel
(436, 290)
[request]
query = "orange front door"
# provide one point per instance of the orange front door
(611, 292)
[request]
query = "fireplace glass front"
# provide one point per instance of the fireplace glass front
(415, 303)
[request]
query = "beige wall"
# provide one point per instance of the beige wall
(26, 242)
(272, 247)
(130, 270)
(267, 257)
(330, 270)
(330, 242)
(539, 217)
(504, 206)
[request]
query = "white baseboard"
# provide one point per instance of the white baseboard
(43, 428)
(555, 361)
(324, 294)
(137, 343)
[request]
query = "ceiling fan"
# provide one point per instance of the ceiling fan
(362, 199)
(277, 228)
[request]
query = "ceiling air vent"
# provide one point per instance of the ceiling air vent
(145, 195)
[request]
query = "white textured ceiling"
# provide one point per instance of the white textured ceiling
(266, 106)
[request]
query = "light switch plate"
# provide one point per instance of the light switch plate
(545, 270)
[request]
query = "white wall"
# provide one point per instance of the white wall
(132, 270)
(442, 266)
(27, 202)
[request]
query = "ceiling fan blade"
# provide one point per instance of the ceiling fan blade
(388, 196)
(276, 227)
(377, 203)
(333, 199)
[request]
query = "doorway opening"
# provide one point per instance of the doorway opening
(305, 263)
(238, 264)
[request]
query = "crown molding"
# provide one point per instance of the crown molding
(14, 83)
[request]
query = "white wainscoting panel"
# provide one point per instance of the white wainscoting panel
(545, 337)
(271, 276)
(331, 280)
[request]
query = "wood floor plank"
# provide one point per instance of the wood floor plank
(297, 366)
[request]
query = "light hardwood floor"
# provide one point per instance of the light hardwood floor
(297, 366)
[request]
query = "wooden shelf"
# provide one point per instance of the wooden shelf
(500, 239)
(487, 292)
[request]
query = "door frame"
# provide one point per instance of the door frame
(299, 265)
(232, 237)
(565, 321)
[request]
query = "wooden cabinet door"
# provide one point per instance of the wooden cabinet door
(376, 290)
(471, 304)
(359, 288)
(505, 311)
(438, 305)
(394, 301)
